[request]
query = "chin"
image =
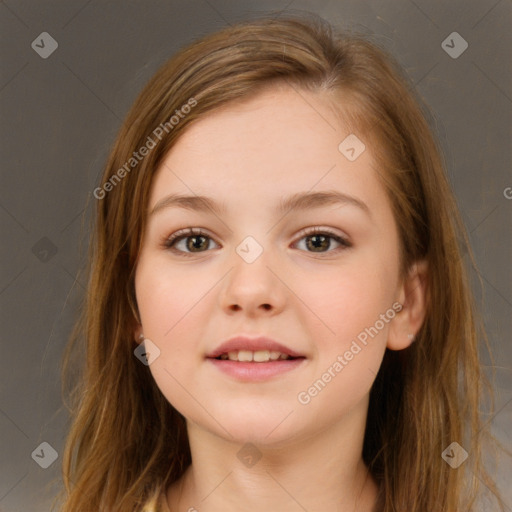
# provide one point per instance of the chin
(258, 427)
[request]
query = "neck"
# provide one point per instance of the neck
(323, 471)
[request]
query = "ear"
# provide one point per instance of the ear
(136, 326)
(413, 297)
(137, 331)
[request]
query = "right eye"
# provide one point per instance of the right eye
(188, 241)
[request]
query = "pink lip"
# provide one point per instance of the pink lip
(252, 344)
(253, 371)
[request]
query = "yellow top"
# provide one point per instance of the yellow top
(158, 503)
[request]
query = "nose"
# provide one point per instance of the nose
(253, 288)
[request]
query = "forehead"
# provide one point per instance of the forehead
(253, 155)
(273, 127)
(282, 141)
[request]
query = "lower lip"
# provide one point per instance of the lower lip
(254, 372)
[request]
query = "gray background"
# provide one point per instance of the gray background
(60, 116)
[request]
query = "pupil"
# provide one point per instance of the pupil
(319, 239)
(195, 244)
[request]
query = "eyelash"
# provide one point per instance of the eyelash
(170, 241)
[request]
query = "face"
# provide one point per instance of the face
(319, 276)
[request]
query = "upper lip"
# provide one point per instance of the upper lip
(241, 342)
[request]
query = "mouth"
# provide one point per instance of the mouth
(254, 359)
(258, 356)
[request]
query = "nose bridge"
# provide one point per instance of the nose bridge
(251, 285)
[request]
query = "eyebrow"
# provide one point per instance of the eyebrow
(298, 201)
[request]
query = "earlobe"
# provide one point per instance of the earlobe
(137, 333)
(413, 297)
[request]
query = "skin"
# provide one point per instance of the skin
(248, 156)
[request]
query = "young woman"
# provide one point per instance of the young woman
(278, 316)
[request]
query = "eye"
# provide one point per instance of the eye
(191, 241)
(319, 240)
(195, 241)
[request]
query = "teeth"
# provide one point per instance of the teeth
(245, 355)
(274, 356)
(259, 356)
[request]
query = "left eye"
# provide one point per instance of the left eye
(319, 240)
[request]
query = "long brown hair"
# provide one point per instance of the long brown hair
(126, 442)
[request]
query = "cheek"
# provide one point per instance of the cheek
(166, 298)
(349, 348)
(171, 306)
(346, 300)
